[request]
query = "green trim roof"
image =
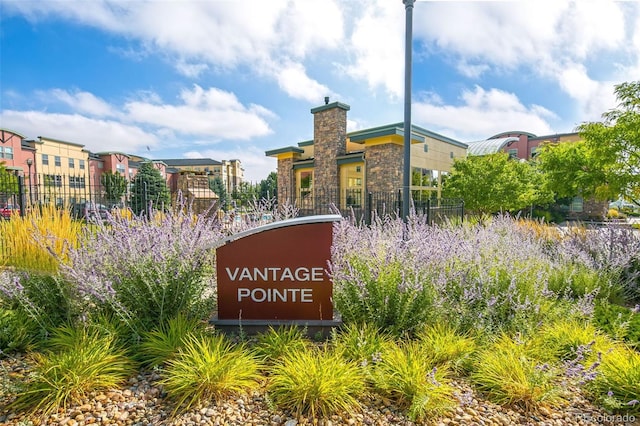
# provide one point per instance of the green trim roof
(284, 151)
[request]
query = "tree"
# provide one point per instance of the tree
(493, 183)
(570, 170)
(217, 186)
(149, 190)
(8, 183)
(114, 185)
(615, 145)
(268, 188)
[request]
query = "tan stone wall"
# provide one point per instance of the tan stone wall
(330, 141)
(384, 167)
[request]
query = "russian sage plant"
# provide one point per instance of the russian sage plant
(148, 271)
(487, 276)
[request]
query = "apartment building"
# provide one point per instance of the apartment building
(354, 163)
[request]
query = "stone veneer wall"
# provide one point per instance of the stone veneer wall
(384, 167)
(285, 181)
(329, 142)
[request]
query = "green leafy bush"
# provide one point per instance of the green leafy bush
(388, 295)
(48, 300)
(408, 375)
(17, 332)
(83, 360)
(208, 367)
(617, 385)
(506, 373)
(317, 383)
(618, 322)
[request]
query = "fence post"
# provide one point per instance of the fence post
(428, 211)
(368, 208)
(21, 195)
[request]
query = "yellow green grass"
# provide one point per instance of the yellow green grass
(28, 242)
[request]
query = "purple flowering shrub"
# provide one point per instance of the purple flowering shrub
(486, 276)
(147, 271)
(612, 250)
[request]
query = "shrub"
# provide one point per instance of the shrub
(617, 384)
(618, 322)
(39, 240)
(317, 383)
(163, 343)
(47, 300)
(17, 332)
(383, 293)
(148, 271)
(208, 367)
(83, 360)
(273, 344)
(508, 375)
(409, 376)
(446, 346)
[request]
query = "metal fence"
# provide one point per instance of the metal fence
(20, 193)
(364, 206)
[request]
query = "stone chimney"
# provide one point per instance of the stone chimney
(329, 142)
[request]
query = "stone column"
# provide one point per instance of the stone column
(286, 187)
(384, 167)
(329, 142)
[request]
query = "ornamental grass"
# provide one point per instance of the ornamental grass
(209, 368)
(81, 360)
(317, 383)
(40, 240)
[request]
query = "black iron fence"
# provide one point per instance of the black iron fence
(85, 199)
(365, 205)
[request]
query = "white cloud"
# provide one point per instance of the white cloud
(213, 112)
(191, 70)
(82, 102)
(95, 134)
(482, 113)
(294, 81)
(377, 43)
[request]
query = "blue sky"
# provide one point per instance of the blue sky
(231, 79)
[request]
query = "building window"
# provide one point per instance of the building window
(72, 163)
(577, 205)
(425, 148)
(451, 155)
(76, 182)
(45, 160)
(58, 162)
(120, 168)
(101, 165)
(6, 152)
(81, 164)
(53, 180)
(513, 153)
(534, 152)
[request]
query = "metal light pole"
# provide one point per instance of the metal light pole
(29, 164)
(406, 193)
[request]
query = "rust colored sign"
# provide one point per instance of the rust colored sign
(277, 272)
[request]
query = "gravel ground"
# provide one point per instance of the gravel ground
(142, 402)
